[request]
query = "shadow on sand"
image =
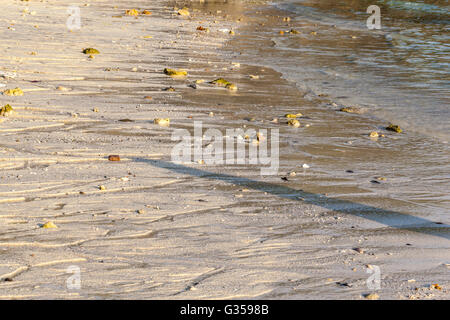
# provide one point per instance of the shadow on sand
(389, 218)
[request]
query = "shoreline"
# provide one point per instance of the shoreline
(204, 232)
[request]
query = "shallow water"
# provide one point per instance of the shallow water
(347, 64)
(401, 71)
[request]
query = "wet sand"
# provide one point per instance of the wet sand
(202, 232)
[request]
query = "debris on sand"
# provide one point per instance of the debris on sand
(175, 73)
(114, 157)
(91, 51)
(132, 12)
(6, 111)
(221, 82)
(49, 225)
(13, 92)
(374, 134)
(294, 123)
(372, 296)
(184, 12)
(146, 12)
(394, 127)
(436, 286)
(163, 122)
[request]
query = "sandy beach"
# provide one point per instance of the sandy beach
(145, 227)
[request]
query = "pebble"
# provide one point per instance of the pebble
(114, 158)
(49, 225)
(372, 296)
(294, 123)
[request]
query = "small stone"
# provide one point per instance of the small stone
(374, 134)
(114, 158)
(49, 225)
(6, 110)
(102, 187)
(294, 123)
(90, 51)
(436, 286)
(372, 296)
(394, 127)
(175, 73)
(132, 12)
(184, 12)
(163, 122)
(13, 92)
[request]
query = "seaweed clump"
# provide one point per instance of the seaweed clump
(294, 123)
(6, 110)
(90, 51)
(13, 92)
(175, 73)
(394, 127)
(221, 82)
(132, 12)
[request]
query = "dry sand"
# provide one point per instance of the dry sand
(158, 230)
